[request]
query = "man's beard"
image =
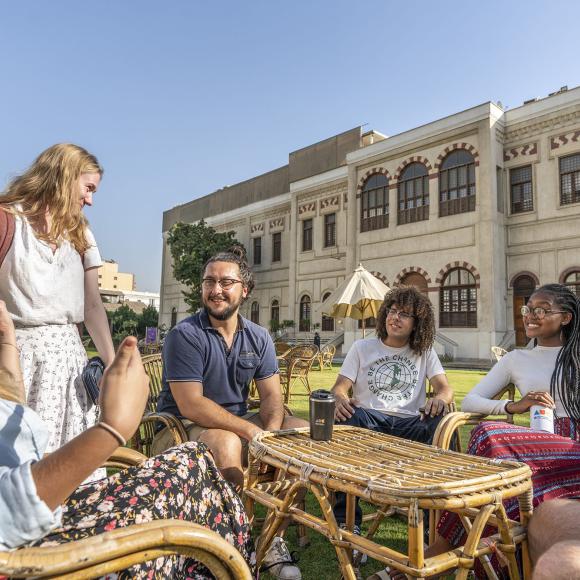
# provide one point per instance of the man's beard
(225, 314)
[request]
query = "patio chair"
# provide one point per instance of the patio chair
(298, 364)
(498, 352)
(281, 348)
(112, 551)
(325, 357)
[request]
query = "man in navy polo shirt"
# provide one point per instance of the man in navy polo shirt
(209, 361)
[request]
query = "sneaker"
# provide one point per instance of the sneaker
(279, 562)
(355, 553)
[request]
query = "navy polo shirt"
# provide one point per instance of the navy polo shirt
(195, 351)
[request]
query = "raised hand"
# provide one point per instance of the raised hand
(124, 389)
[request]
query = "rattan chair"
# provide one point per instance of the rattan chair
(119, 549)
(282, 348)
(498, 352)
(325, 357)
(298, 364)
(143, 438)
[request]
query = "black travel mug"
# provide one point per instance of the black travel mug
(321, 415)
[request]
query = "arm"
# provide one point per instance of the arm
(204, 412)
(271, 405)
(124, 392)
(96, 318)
(480, 398)
(344, 408)
(13, 388)
(442, 395)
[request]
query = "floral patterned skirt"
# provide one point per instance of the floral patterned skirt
(182, 483)
(52, 359)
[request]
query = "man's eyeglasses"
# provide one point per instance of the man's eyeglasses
(399, 314)
(539, 312)
(225, 283)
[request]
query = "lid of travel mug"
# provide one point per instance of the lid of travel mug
(322, 395)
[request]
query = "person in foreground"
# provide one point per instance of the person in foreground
(209, 361)
(387, 377)
(554, 539)
(48, 279)
(547, 375)
(41, 503)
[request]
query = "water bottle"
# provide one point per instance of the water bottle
(542, 418)
(321, 415)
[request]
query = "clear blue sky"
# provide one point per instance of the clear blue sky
(178, 98)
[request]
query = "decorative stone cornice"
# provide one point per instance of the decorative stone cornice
(564, 139)
(276, 224)
(451, 266)
(454, 147)
(307, 208)
(414, 159)
(520, 151)
(399, 277)
(369, 173)
(542, 126)
(256, 229)
(330, 204)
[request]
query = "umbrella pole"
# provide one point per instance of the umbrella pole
(363, 320)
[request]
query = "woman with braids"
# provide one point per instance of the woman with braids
(547, 375)
(48, 279)
(387, 377)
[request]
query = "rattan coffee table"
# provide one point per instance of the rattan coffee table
(388, 471)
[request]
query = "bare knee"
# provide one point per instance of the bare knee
(560, 562)
(553, 522)
(226, 447)
(291, 422)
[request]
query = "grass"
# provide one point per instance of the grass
(318, 560)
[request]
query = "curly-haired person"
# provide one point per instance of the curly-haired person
(387, 376)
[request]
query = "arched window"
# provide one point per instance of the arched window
(413, 192)
(327, 321)
(457, 183)
(417, 280)
(304, 324)
(375, 203)
(458, 300)
(173, 317)
(255, 313)
(275, 311)
(572, 280)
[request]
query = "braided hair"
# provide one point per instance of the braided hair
(565, 381)
(235, 255)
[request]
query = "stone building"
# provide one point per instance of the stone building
(477, 209)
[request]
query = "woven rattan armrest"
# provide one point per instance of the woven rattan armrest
(122, 548)
(124, 457)
(170, 421)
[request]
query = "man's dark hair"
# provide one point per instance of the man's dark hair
(235, 255)
(409, 298)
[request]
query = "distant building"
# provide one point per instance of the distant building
(476, 209)
(111, 279)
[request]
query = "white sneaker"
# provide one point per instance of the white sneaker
(279, 563)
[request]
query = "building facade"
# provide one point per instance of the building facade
(111, 279)
(476, 209)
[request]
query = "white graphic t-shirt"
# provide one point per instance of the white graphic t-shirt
(387, 379)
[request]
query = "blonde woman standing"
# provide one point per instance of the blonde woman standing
(48, 279)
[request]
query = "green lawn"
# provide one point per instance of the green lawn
(318, 560)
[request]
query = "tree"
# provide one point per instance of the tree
(191, 245)
(148, 318)
(123, 323)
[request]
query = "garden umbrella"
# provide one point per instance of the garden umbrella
(360, 296)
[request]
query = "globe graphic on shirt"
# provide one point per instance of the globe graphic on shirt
(392, 381)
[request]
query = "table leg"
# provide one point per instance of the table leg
(416, 541)
(274, 520)
(334, 532)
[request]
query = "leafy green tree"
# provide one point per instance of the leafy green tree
(149, 317)
(123, 323)
(191, 245)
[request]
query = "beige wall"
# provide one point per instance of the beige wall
(111, 279)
